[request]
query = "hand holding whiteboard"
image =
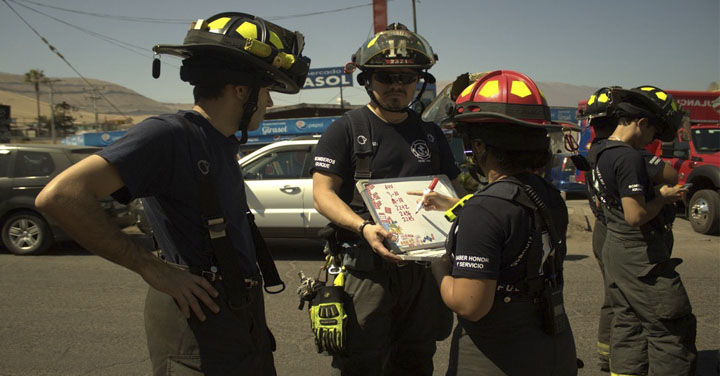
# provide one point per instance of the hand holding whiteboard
(391, 206)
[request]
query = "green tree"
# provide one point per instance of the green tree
(64, 121)
(35, 76)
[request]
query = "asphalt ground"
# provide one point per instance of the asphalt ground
(72, 313)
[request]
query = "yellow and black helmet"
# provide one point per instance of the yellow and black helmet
(599, 110)
(664, 113)
(240, 48)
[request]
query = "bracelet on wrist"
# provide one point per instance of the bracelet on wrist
(365, 223)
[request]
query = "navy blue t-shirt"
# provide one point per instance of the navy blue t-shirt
(155, 162)
(492, 235)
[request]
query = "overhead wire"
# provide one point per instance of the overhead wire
(138, 50)
(56, 52)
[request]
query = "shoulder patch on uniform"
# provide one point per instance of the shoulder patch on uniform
(204, 166)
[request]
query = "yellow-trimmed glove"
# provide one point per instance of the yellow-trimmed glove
(328, 317)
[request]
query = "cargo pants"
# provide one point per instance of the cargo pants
(606, 315)
(653, 330)
(231, 342)
(395, 318)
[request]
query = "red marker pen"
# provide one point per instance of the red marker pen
(425, 192)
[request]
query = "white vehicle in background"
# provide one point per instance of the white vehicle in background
(279, 189)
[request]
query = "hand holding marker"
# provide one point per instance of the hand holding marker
(425, 192)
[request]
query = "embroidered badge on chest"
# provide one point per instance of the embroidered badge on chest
(204, 166)
(430, 137)
(420, 150)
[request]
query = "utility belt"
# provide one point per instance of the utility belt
(212, 275)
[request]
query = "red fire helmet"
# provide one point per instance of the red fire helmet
(503, 96)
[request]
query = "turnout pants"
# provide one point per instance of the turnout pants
(231, 342)
(653, 331)
(510, 341)
(606, 315)
(395, 318)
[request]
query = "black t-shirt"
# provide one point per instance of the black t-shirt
(624, 172)
(654, 166)
(154, 161)
(410, 148)
(492, 234)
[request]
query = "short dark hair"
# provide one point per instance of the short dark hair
(208, 92)
(513, 161)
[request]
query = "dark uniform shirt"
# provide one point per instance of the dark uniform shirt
(154, 161)
(624, 173)
(399, 150)
(493, 235)
(654, 166)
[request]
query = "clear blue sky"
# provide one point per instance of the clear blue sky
(671, 44)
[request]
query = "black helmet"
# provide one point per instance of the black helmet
(395, 47)
(599, 110)
(648, 101)
(240, 48)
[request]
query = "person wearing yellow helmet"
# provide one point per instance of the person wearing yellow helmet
(600, 116)
(204, 312)
(396, 315)
(653, 328)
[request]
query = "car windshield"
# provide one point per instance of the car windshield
(706, 140)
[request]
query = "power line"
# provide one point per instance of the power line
(54, 50)
(119, 18)
(185, 21)
(124, 45)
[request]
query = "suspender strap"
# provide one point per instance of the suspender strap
(363, 150)
(228, 262)
(269, 271)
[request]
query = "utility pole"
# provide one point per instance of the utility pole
(414, 21)
(94, 96)
(50, 83)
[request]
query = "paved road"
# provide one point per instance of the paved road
(72, 313)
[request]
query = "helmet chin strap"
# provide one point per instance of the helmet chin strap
(248, 110)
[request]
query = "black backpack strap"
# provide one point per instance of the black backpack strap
(361, 134)
(542, 226)
(596, 183)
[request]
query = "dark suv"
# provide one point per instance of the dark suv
(25, 169)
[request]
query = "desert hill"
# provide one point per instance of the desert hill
(14, 91)
(20, 95)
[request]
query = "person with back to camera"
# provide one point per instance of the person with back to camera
(503, 271)
(653, 328)
(395, 315)
(204, 311)
(600, 117)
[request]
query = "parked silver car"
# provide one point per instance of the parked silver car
(279, 189)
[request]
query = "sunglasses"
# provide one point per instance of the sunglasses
(389, 78)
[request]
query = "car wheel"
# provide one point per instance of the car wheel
(26, 233)
(704, 211)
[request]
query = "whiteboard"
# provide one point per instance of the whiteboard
(394, 209)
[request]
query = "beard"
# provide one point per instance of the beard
(394, 100)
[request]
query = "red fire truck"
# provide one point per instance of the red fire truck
(695, 154)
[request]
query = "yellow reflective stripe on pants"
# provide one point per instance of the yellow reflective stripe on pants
(603, 349)
(621, 374)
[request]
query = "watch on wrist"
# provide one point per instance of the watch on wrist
(365, 223)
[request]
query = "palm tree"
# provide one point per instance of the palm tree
(35, 76)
